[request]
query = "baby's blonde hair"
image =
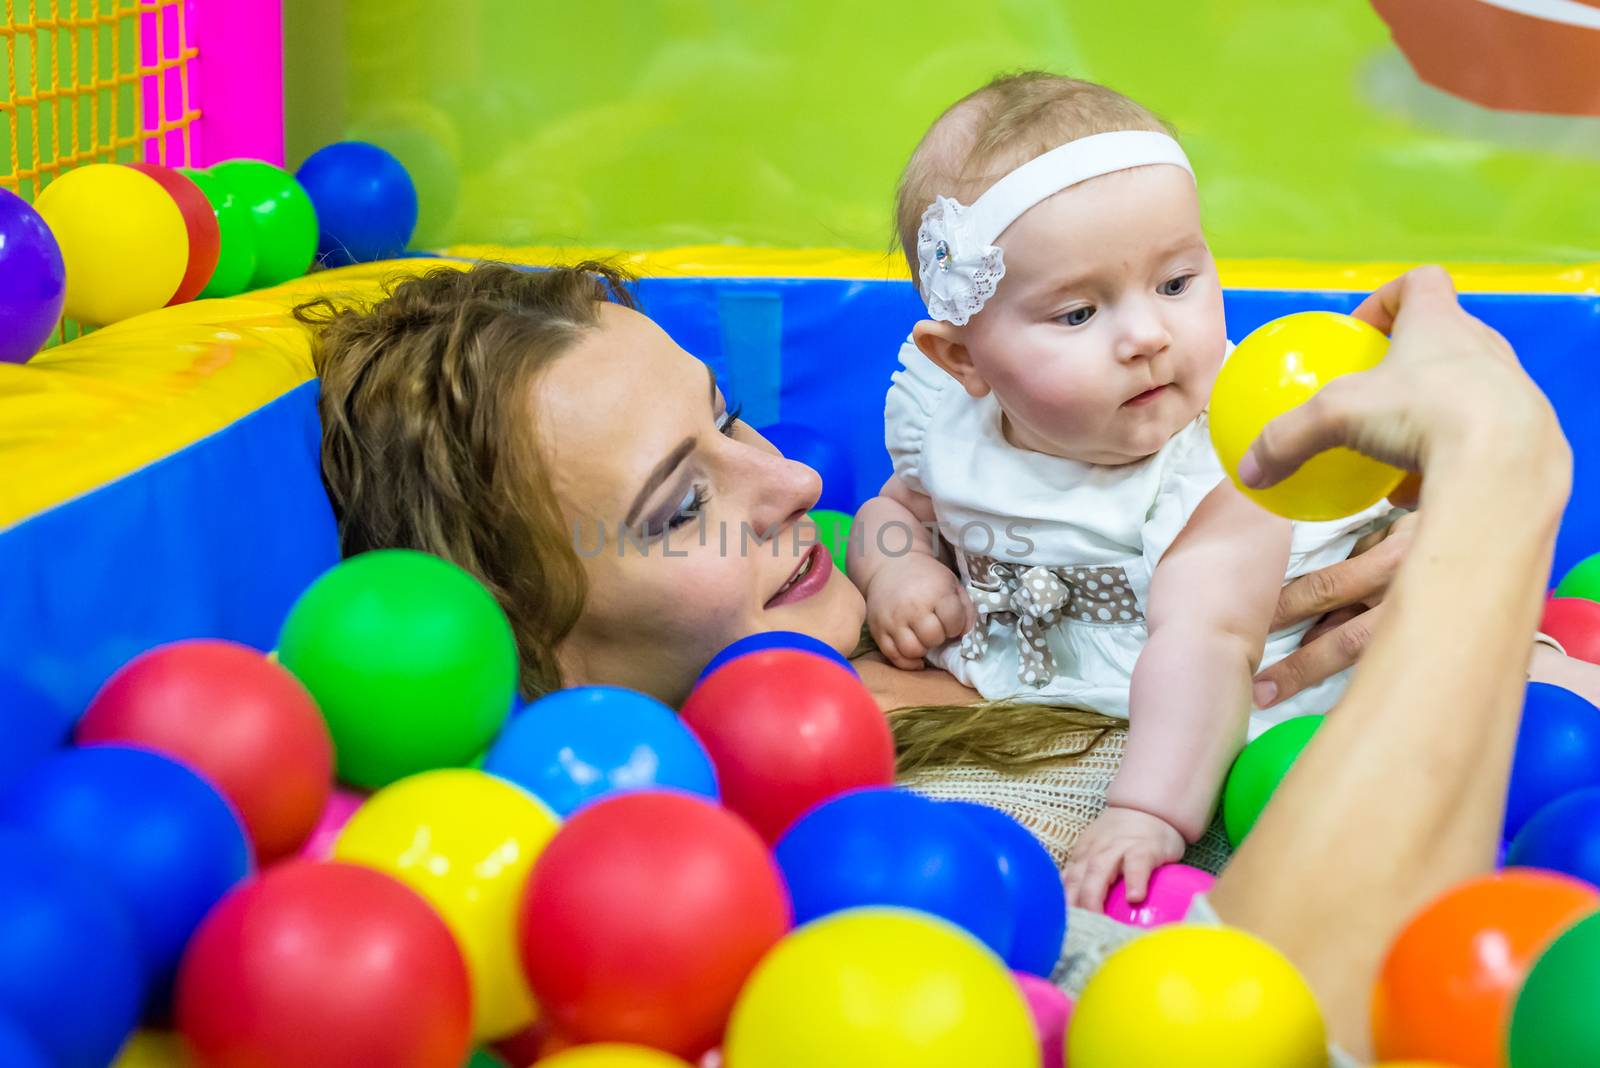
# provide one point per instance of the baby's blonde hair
(991, 132)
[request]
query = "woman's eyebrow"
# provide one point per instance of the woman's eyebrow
(669, 463)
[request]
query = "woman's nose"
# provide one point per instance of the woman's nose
(781, 491)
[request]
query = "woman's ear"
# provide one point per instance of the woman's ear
(945, 344)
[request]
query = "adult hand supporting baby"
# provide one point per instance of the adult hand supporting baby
(1346, 599)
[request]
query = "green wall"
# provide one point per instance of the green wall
(650, 123)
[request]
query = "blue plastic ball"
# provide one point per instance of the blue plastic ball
(574, 746)
(365, 200)
(70, 967)
(17, 1050)
(887, 846)
(824, 456)
(32, 726)
(778, 639)
(1558, 751)
(151, 830)
(1034, 890)
(1562, 836)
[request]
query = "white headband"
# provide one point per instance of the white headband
(957, 259)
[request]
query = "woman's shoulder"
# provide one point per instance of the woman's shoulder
(894, 687)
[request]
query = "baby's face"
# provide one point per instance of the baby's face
(1106, 334)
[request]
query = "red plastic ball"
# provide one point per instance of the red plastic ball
(243, 722)
(199, 221)
(327, 964)
(787, 731)
(643, 917)
(1575, 623)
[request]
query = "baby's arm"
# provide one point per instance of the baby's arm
(1210, 607)
(914, 602)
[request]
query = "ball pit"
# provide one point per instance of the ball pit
(1448, 982)
(326, 964)
(891, 847)
(1035, 897)
(72, 970)
(787, 730)
(1259, 769)
(1172, 889)
(409, 658)
(850, 991)
(465, 841)
(1203, 997)
(241, 721)
(574, 746)
(643, 918)
(1563, 836)
(154, 832)
(1558, 752)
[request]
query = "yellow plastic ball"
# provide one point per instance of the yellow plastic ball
(464, 841)
(153, 1049)
(880, 988)
(1281, 366)
(1199, 996)
(122, 238)
(612, 1055)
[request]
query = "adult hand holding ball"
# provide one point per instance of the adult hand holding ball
(1281, 366)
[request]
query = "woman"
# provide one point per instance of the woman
(538, 431)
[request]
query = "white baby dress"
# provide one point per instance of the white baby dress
(1057, 554)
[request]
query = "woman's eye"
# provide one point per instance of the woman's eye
(1173, 287)
(688, 508)
(1077, 316)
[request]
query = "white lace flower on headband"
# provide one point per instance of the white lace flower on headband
(959, 264)
(958, 272)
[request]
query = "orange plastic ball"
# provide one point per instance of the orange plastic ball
(1448, 983)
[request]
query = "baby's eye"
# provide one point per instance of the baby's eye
(1077, 316)
(1173, 287)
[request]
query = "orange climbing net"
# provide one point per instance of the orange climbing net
(87, 81)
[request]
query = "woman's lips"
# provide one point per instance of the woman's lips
(1144, 398)
(821, 568)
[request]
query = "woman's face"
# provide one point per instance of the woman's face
(692, 530)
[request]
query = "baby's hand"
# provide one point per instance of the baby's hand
(915, 604)
(1125, 842)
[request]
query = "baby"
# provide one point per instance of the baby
(1049, 422)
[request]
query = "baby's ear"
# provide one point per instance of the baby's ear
(945, 344)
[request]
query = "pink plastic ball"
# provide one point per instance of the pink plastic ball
(1172, 888)
(342, 804)
(1051, 1010)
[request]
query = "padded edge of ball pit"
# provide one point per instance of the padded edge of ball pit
(160, 478)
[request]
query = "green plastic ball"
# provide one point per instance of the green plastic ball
(410, 659)
(285, 221)
(1583, 580)
(1553, 1022)
(1258, 771)
(236, 257)
(833, 531)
